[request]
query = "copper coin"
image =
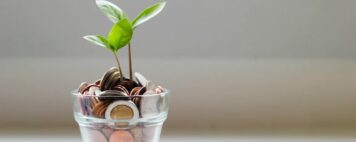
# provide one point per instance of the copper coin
(137, 96)
(98, 82)
(82, 86)
(134, 90)
(121, 88)
(87, 88)
(141, 91)
(96, 108)
(94, 101)
(99, 109)
(121, 136)
(94, 90)
(128, 84)
(102, 111)
(159, 89)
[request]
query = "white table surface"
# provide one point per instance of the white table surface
(55, 135)
(184, 139)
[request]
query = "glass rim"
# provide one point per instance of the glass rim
(165, 92)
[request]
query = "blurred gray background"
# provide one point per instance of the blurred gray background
(230, 64)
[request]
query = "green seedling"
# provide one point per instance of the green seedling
(122, 31)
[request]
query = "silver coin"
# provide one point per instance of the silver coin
(149, 104)
(141, 79)
(124, 110)
(94, 90)
(150, 86)
(163, 103)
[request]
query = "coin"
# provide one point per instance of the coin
(89, 104)
(85, 104)
(93, 101)
(99, 109)
(121, 136)
(122, 110)
(113, 80)
(94, 90)
(82, 105)
(82, 86)
(163, 104)
(150, 86)
(141, 79)
(112, 95)
(136, 95)
(106, 76)
(128, 84)
(149, 104)
(87, 89)
(98, 82)
(134, 90)
(121, 88)
(141, 91)
(159, 89)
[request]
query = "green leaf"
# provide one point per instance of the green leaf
(120, 34)
(112, 11)
(98, 40)
(148, 13)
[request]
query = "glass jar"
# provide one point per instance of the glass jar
(120, 118)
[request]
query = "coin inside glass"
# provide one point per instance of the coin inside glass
(82, 86)
(121, 112)
(106, 76)
(141, 79)
(121, 136)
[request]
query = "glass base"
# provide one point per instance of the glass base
(110, 133)
(102, 130)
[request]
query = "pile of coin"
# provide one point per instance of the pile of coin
(117, 98)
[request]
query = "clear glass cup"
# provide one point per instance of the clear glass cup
(97, 124)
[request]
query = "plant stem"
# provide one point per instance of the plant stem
(130, 61)
(118, 65)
